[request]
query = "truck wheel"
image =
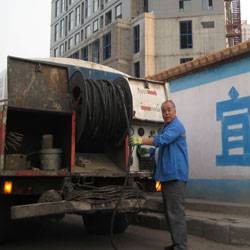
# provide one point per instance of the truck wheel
(51, 196)
(4, 219)
(99, 223)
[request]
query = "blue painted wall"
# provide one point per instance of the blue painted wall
(217, 175)
(206, 76)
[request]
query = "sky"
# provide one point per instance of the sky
(25, 28)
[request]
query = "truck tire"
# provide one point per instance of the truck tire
(100, 223)
(51, 196)
(4, 219)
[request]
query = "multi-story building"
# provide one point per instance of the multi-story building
(141, 37)
(245, 29)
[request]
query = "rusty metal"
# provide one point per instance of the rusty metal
(3, 115)
(77, 207)
(37, 86)
(16, 162)
(34, 172)
(51, 158)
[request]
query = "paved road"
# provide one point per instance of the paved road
(69, 234)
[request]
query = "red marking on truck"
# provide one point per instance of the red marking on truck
(38, 172)
(73, 142)
(146, 108)
(152, 92)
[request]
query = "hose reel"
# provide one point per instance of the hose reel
(103, 109)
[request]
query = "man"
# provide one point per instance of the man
(172, 171)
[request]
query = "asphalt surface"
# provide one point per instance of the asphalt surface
(69, 234)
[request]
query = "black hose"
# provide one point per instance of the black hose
(104, 113)
(128, 125)
(103, 108)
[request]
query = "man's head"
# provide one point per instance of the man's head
(168, 111)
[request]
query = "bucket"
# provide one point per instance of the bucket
(51, 158)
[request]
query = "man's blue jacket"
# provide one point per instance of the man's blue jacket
(172, 155)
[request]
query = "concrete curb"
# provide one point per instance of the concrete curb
(243, 210)
(219, 231)
(226, 223)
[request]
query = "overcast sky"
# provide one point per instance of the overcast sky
(25, 27)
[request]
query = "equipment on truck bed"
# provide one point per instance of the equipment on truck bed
(64, 132)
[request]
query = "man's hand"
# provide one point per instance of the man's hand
(135, 140)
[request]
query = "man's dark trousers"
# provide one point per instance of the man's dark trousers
(173, 193)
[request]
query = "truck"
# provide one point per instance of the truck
(64, 127)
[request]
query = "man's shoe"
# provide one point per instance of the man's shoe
(169, 248)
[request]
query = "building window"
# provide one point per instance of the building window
(85, 54)
(95, 5)
(207, 4)
(102, 4)
(62, 6)
(56, 32)
(55, 52)
(62, 28)
(65, 46)
(57, 8)
(108, 17)
(87, 32)
(184, 5)
(70, 2)
(207, 25)
(101, 21)
(137, 72)
(106, 46)
(185, 59)
(66, 5)
(181, 4)
(118, 11)
(66, 25)
(77, 16)
(61, 49)
(145, 5)
(87, 8)
(75, 55)
(210, 4)
(77, 38)
(136, 37)
(71, 20)
(96, 51)
(70, 43)
(186, 39)
(82, 13)
(82, 35)
(95, 25)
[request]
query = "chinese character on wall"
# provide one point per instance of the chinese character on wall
(234, 115)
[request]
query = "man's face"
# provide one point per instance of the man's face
(168, 112)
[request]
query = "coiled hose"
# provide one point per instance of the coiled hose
(104, 113)
(103, 108)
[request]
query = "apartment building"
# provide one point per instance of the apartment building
(141, 37)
